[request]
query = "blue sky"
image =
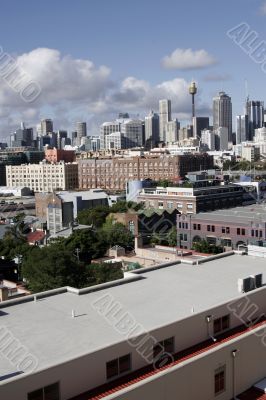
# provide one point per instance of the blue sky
(130, 39)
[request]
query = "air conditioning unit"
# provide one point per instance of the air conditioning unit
(250, 283)
(258, 280)
(245, 285)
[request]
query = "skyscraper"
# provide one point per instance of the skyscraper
(221, 138)
(46, 126)
(81, 129)
(106, 129)
(242, 129)
(165, 116)
(222, 113)
(200, 123)
(172, 128)
(255, 112)
(152, 129)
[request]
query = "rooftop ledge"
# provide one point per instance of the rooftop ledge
(129, 277)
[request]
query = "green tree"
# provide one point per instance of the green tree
(94, 216)
(101, 273)
(203, 246)
(88, 243)
(51, 267)
(171, 237)
(116, 234)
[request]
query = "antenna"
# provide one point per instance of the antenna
(246, 90)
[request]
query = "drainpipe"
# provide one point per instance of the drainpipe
(234, 353)
(209, 319)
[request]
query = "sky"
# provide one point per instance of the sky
(88, 60)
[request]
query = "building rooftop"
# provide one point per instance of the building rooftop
(49, 332)
(85, 194)
(243, 214)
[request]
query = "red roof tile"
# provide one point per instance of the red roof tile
(252, 394)
(35, 236)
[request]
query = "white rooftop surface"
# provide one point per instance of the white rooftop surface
(85, 195)
(47, 329)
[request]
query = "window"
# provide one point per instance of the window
(131, 227)
(223, 229)
(199, 227)
(221, 324)
(165, 346)
(238, 231)
(195, 227)
(160, 204)
(219, 380)
(208, 228)
(243, 232)
(50, 392)
(213, 228)
(227, 229)
(118, 366)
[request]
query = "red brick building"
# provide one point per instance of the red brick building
(114, 173)
(55, 155)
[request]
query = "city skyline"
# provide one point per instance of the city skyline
(85, 76)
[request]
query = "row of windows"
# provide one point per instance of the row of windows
(122, 365)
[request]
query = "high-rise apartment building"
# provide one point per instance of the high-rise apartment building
(106, 129)
(200, 123)
(46, 126)
(242, 128)
(81, 129)
(208, 139)
(43, 177)
(165, 115)
(255, 112)
(152, 136)
(171, 131)
(122, 134)
(221, 138)
(222, 113)
(22, 137)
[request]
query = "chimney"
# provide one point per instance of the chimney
(3, 293)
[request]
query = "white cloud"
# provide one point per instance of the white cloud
(75, 89)
(263, 8)
(134, 95)
(186, 59)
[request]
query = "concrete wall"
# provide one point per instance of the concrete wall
(86, 372)
(195, 380)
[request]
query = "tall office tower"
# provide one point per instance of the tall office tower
(172, 128)
(152, 130)
(22, 137)
(200, 123)
(61, 137)
(208, 139)
(106, 129)
(46, 126)
(165, 116)
(74, 138)
(81, 128)
(242, 128)
(222, 113)
(255, 112)
(221, 138)
(131, 130)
